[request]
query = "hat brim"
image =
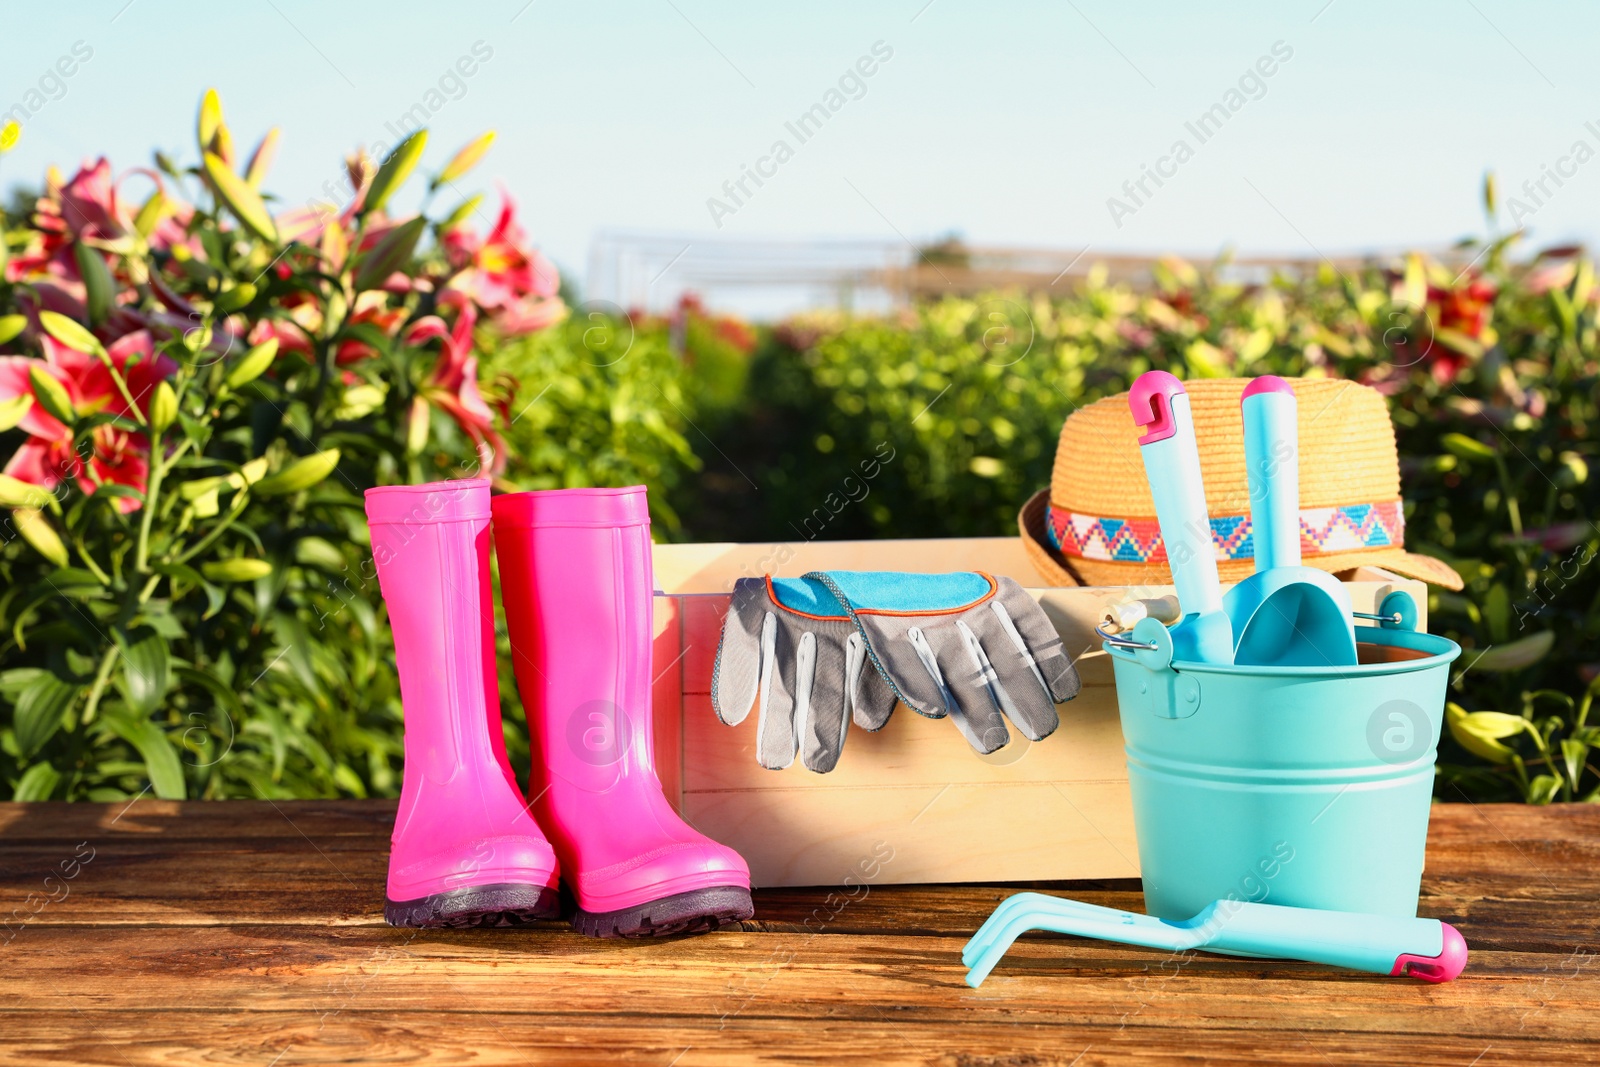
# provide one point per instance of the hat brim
(1060, 570)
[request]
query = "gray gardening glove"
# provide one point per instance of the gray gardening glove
(789, 645)
(976, 648)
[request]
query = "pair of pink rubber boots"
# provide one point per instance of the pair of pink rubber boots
(575, 578)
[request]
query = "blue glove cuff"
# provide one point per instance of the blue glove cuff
(899, 591)
(806, 596)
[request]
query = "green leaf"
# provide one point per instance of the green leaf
(1462, 343)
(301, 474)
(70, 333)
(1515, 655)
(392, 252)
(245, 203)
(99, 287)
(1543, 789)
(215, 597)
(74, 578)
(253, 364)
(146, 669)
(1574, 753)
(17, 679)
(13, 411)
(237, 570)
(37, 783)
(347, 780)
(1497, 612)
(39, 708)
(226, 699)
(51, 394)
(395, 170)
(1467, 447)
(11, 326)
(160, 759)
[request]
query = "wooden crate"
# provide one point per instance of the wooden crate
(914, 791)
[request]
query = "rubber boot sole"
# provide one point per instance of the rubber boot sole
(505, 904)
(694, 912)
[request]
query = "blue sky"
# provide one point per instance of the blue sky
(1013, 123)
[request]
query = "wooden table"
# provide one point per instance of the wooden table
(251, 933)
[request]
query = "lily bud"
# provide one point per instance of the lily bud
(51, 395)
(163, 407)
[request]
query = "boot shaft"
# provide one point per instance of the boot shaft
(575, 578)
(430, 546)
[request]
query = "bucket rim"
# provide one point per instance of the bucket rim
(1447, 652)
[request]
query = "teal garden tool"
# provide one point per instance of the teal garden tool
(1172, 464)
(1428, 949)
(1283, 614)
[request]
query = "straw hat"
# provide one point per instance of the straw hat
(1096, 524)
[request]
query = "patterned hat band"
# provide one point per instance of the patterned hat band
(1322, 530)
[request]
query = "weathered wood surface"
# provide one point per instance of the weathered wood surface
(251, 933)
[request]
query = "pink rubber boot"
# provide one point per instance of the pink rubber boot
(576, 582)
(465, 850)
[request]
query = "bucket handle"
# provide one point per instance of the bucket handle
(1164, 692)
(1397, 611)
(1150, 643)
(1117, 641)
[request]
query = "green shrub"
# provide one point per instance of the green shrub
(1491, 373)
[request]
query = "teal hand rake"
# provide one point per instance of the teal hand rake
(1428, 949)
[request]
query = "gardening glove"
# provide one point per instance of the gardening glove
(831, 646)
(788, 642)
(976, 648)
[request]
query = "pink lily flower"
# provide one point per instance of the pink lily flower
(371, 308)
(89, 204)
(504, 276)
(50, 456)
(453, 382)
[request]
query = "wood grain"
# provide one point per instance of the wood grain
(250, 933)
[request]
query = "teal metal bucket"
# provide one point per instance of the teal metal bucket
(1305, 786)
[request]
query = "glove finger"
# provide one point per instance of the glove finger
(776, 741)
(736, 674)
(1017, 689)
(820, 707)
(969, 703)
(1023, 619)
(892, 657)
(871, 699)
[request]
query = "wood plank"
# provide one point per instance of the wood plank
(793, 976)
(454, 1034)
(1530, 875)
(666, 698)
(59, 821)
(713, 567)
(911, 751)
(205, 933)
(935, 833)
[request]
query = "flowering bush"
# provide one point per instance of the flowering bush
(1493, 375)
(194, 391)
